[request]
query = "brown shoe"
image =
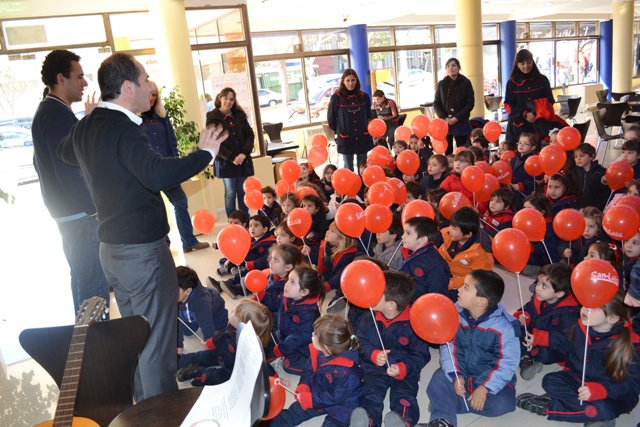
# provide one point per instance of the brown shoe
(196, 247)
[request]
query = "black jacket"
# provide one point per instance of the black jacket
(463, 98)
(240, 141)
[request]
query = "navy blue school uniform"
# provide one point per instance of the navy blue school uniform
(326, 187)
(366, 243)
(330, 385)
(565, 202)
(215, 364)
(539, 255)
(272, 212)
(594, 191)
(331, 269)
(522, 178)
(542, 318)
(407, 351)
(257, 258)
(430, 183)
(319, 227)
(427, 267)
(424, 154)
(580, 247)
(293, 336)
(629, 263)
(203, 309)
(272, 294)
(494, 222)
(609, 399)
(636, 171)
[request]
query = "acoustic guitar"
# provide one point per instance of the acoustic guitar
(90, 311)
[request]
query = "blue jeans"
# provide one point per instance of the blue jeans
(232, 191)
(348, 160)
(180, 206)
(81, 246)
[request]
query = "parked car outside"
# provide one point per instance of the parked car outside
(14, 137)
(269, 98)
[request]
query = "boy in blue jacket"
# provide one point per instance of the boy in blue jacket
(422, 260)
(485, 355)
(398, 366)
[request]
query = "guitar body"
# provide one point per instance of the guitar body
(76, 422)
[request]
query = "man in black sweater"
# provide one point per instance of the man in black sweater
(64, 188)
(125, 177)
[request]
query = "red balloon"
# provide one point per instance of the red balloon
(253, 199)
(434, 318)
(420, 125)
(267, 271)
(511, 249)
(234, 241)
(502, 171)
(256, 281)
(357, 184)
(373, 174)
(439, 145)
(621, 222)
(399, 189)
(316, 156)
(438, 129)
(569, 224)
(619, 174)
(378, 218)
(299, 222)
(203, 221)
(251, 183)
(402, 133)
(472, 178)
(408, 162)
(568, 138)
(377, 128)
(532, 165)
(379, 156)
(507, 156)
(342, 180)
(303, 191)
(594, 282)
(382, 193)
(362, 282)
(277, 397)
(492, 131)
(486, 168)
(319, 141)
(290, 171)
(416, 208)
(451, 202)
(552, 159)
(531, 223)
(490, 185)
(459, 149)
(631, 201)
(350, 220)
(283, 187)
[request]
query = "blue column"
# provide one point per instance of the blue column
(507, 51)
(606, 53)
(359, 52)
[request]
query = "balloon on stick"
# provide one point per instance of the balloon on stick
(234, 242)
(434, 318)
(299, 222)
(512, 249)
(531, 223)
(350, 220)
(438, 129)
(532, 166)
(290, 171)
(253, 199)
(492, 131)
(400, 190)
(568, 138)
(378, 218)
(256, 281)
(283, 187)
(552, 159)
(594, 282)
(373, 174)
(377, 128)
(452, 202)
(417, 208)
(382, 193)
(621, 222)
(342, 181)
(619, 174)
(319, 141)
(362, 283)
(569, 224)
(472, 178)
(490, 185)
(402, 133)
(408, 162)
(251, 183)
(203, 221)
(439, 145)
(277, 398)
(420, 125)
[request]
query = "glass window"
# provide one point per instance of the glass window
(543, 56)
(379, 37)
(587, 57)
(230, 26)
(413, 35)
(565, 29)
(314, 41)
(46, 32)
(636, 56)
(132, 31)
(214, 25)
(587, 29)
(566, 68)
(490, 32)
(383, 73)
(415, 85)
(491, 67)
(539, 30)
(445, 34)
(521, 30)
(271, 44)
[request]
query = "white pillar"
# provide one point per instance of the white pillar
(622, 67)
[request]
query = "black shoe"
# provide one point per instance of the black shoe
(198, 246)
(436, 423)
(222, 271)
(231, 289)
(188, 373)
(214, 284)
(529, 368)
(533, 403)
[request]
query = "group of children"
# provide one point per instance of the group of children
(346, 372)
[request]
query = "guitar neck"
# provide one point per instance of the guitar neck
(71, 378)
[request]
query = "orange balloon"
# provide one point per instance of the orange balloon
(402, 133)
(568, 138)
(417, 208)
(569, 224)
(256, 281)
(631, 201)
(434, 318)
(451, 202)
(486, 168)
(253, 199)
(438, 129)
(621, 222)
(379, 156)
(490, 185)
(357, 184)
(277, 399)
(290, 171)
(303, 191)
(283, 187)
(532, 165)
(420, 125)
(319, 141)
(531, 223)
(507, 156)
(512, 249)
(234, 241)
(382, 193)
(373, 174)
(408, 162)
(439, 146)
(299, 222)
(594, 282)
(552, 159)
(377, 128)
(203, 221)
(378, 218)
(399, 189)
(342, 181)
(459, 149)
(350, 220)
(251, 183)
(502, 171)
(492, 131)
(316, 156)
(619, 174)
(472, 178)
(362, 282)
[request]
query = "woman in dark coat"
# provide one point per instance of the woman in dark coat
(453, 103)
(348, 116)
(233, 163)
